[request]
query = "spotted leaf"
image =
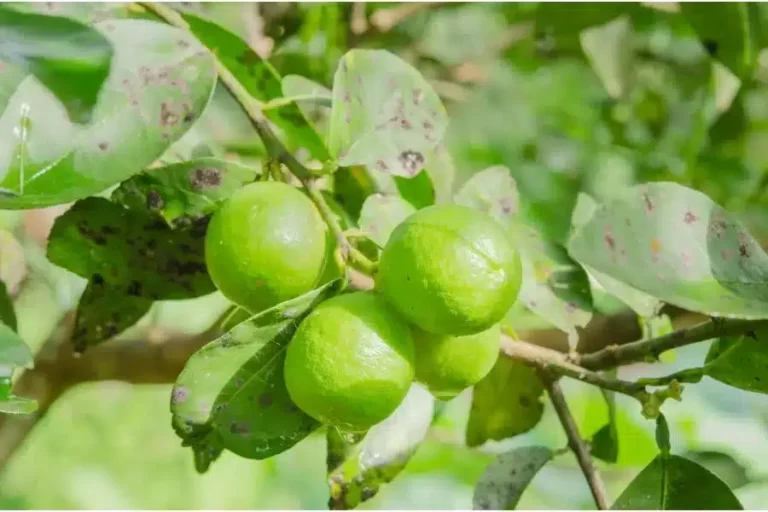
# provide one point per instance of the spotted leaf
(506, 478)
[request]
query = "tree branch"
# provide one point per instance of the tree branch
(576, 443)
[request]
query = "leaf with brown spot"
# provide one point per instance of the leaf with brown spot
(505, 479)
(506, 403)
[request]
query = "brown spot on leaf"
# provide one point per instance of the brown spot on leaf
(655, 247)
(412, 161)
(418, 96)
(240, 428)
(608, 237)
(103, 146)
(205, 177)
(507, 205)
(167, 116)
(648, 203)
(182, 43)
(744, 250)
(381, 165)
(265, 400)
(690, 217)
(155, 200)
(180, 395)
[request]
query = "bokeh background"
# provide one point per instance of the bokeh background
(521, 92)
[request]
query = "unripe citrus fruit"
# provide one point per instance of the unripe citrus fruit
(350, 363)
(265, 245)
(450, 270)
(449, 364)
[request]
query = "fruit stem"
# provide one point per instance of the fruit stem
(275, 148)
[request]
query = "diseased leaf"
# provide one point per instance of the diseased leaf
(676, 483)
(69, 58)
(505, 403)
(158, 85)
(385, 115)
(492, 191)
(132, 253)
(7, 313)
(676, 244)
(381, 214)
(383, 453)
(184, 192)
(506, 478)
(741, 362)
(260, 79)
(728, 32)
(103, 313)
(231, 393)
(610, 50)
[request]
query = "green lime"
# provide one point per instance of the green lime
(350, 363)
(265, 245)
(450, 270)
(449, 364)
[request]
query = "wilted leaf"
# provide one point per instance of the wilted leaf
(385, 115)
(610, 50)
(158, 86)
(260, 79)
(133, 253)
(507, 402)
(185, 191)
(381, 214)
(741, 362)
(506, 478)
(71, 59)
(674, 243)
(383, 453)
(231, 393)
(676, 483)
(7, 313)
(103, 313)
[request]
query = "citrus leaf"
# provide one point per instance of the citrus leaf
(383, 453)
(381, 214)
(728, 31)
(69, 58)
(417, 190)
(741, 362)
(13, 351)
(730, 471)
(505, 403)
(385, 115)
(351, 187)
(492, 191)
(260, 79)
(609, 49)
(506, 478)
(441, 171)
(231, 393)
(605, 442)
(674, 243)
(7, 313)
(158, 86)
(676, 483)
(103, 313)
(132, 253)
(185, 191)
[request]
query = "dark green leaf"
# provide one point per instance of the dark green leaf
(260, 79)
(385, 114)
(733, 473)
(676, 483)
(231, 393)
(492, 191)
(185, 191)
(71, 59)
(417, 190)
(383, 453)
(605, 442)
(351, 186)
(7, 313)
(662, 435)
(506, 478)
(676, 244)
(158, 85)
(103, 313)
(728, 32)
(382, 214)
(507, 402)
(741, 362)
(133, 253)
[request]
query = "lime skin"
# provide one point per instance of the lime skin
(450, 270)
(350, 363)
(265, 245)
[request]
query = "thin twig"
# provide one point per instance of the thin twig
(576, 443)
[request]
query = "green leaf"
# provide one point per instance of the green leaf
(295, 86)
(610, 50)
(676, 483)
(728, 31)
(69, 58)
(381, 214)
(383, 453)
(674, 243)
(385, 115)
(13, 351)
(506, 403)
(417, 190)
(260, 79)
(185, 191)
(103, 313)
(351, 187)
(730, 471)
(134, 254)
(441, 172)
(7, 313)
(231, 393)
(605, 442)
(506, 478)
(741, 362)
(492, 191)
(662, 435)
(158, 86)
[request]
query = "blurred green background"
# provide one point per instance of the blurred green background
(521, 92)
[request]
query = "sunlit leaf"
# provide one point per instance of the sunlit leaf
(381, 214)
